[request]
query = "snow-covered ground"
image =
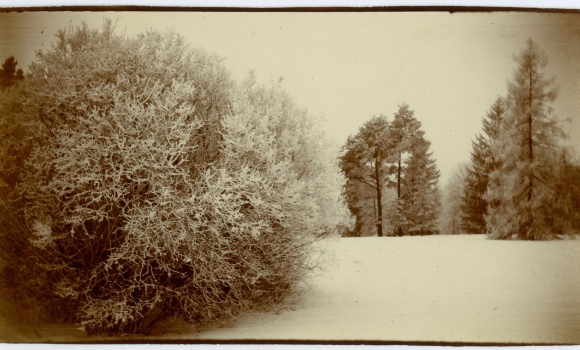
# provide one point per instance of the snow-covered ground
(433, 288)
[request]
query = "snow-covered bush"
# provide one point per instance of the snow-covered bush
(267, 136)
(156, 187)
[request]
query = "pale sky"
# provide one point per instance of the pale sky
(350, 66)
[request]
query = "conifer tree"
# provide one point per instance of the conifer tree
(365, 161)
(421, 199)
(474, 206)
(528, 149)
(403, 131)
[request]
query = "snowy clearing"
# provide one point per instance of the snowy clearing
(432, 289)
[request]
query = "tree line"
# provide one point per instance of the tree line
(391, 186)
(521, 183)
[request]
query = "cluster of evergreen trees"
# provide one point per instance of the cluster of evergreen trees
(521, 183)
(391, 177)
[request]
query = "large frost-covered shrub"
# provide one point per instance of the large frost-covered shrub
(266, 135)
(154, 186)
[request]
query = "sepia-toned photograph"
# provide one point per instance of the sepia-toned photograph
(381, 176)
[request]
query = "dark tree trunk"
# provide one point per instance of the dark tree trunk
(399, 229)
(399, 178)
(530, 146)
(379, 199)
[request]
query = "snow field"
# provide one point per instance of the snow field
(432, 288)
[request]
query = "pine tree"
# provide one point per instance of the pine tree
(474, 206)
(365, 161)
(528, 150)
(421, 199)
(404, 129)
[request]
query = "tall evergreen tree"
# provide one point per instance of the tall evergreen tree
(474, 205)
(365, 161)
(420, 197)
(528, 149)
(404, 129)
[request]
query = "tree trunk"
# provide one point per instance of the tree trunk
(379, 199)
(399, 178)
(399, 229)
(375, 212)
(530, 146)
